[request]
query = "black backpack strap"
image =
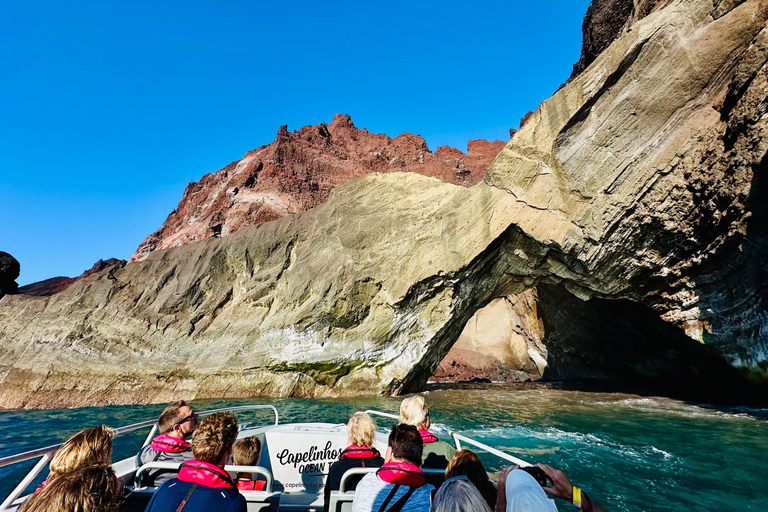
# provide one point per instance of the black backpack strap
(389, 498)
(398, 506)
(186, 498)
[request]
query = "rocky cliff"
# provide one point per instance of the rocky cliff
(297, 172)
(631, 199)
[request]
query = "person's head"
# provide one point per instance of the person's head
(361, 429)
(246, 451)
(177, 420)
(467, 463)
(89, 489)
(458, 495)
(89, 446)
(405, 444)
(524, 494)
(414, 412)
(213, 439)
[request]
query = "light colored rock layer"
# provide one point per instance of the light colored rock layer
(634, 181)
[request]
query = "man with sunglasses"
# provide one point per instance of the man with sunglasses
(176, 424)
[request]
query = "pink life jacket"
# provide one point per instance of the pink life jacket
(206, 474)
(168, 444)
(402, 473)
(427, 436)
(359, 452)
(251, 485)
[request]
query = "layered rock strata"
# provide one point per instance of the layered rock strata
(640, 182)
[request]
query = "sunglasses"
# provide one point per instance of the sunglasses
(191, 416)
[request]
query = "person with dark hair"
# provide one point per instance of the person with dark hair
(359, 454)
(246, 452)
(93, 488)
(202, 484)
(467, 463)
(399, 485)
(176, 423)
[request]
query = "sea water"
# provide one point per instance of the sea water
(629, 452)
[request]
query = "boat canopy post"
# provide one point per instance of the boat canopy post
(25, 482)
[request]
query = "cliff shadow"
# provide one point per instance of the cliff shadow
(625, 345)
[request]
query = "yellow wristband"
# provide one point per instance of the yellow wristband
(577, 497)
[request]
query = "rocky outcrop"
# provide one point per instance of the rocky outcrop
(635, 192)
(9, 272)
(298, 170)
(59, 284)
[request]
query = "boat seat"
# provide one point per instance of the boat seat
(341, 500)
(257, 501)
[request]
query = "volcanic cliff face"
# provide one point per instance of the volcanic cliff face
(632, 200)
(298, 170)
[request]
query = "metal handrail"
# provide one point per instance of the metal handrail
(457, 438)
(48, 451)
(231, 468)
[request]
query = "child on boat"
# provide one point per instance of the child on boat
(246, 453)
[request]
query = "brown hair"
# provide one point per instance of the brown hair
(467, 463)
(87, 447)
(89, 489)
(214, 436)
(406, 443)
(246, 451)
(170, 416)
(361, 429)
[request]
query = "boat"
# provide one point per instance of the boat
(294, 461)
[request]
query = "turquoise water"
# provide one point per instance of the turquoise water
(631, 453)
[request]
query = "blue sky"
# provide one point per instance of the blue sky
(108, 109)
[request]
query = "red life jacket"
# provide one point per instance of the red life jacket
(251, 485)
(206, 474)
(168, 444)
(427, 436)
(402, 473)
(359, 452)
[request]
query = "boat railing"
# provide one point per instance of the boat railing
(458, 438)
(47, 452)
(175, 466)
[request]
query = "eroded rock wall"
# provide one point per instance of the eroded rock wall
(640, 181)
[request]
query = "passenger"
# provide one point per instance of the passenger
(399, 485)
(414, 412)
(467, 463)
(88, 447)
(458, 494)
(246, 453)
(202, 484)
(176, 424)
(359, 454)
(93, 488)
(519, 491)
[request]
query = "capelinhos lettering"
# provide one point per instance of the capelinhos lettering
(314, 453)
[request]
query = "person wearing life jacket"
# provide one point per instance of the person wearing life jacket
(436, 454)
(246, 452)
(399, 485)
(202, 484)
(176, 423)
(359, 454)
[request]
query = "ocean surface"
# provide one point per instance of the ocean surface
(629, 452)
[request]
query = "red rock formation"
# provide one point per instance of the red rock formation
(59, 284)
(298, 170)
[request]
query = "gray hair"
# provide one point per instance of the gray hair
(457, 494)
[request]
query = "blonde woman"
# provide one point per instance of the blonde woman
(359, 454)
(88, 447)
(436, 454)
(93, 488)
